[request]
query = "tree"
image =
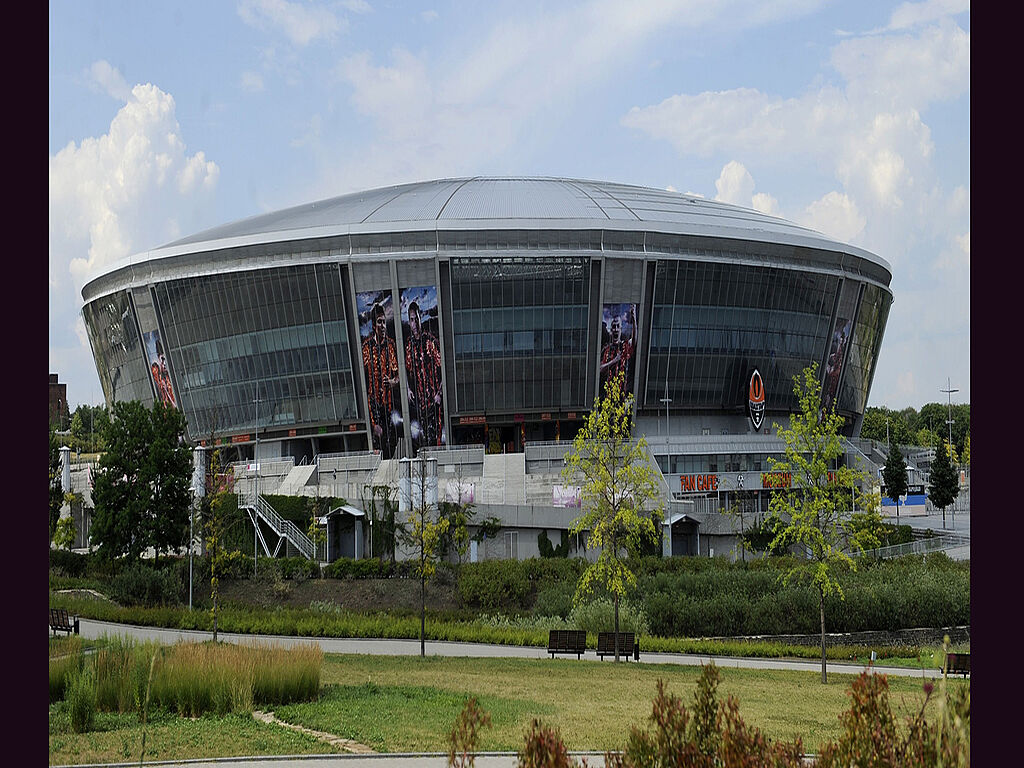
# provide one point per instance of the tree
(168, 471)
(219, 484)
(894, 475)
(950, 450)
(318, 506)
(425, 528)
(122, 494)
(815, 513)
(965, 456)
(943, 484)
(617, 484)
(56, 484)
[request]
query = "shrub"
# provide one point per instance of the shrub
(464, 739)
(141, 584)
(555, 600)
(494, 584)
(599, 616)
(65, 662)
(65, 563)
(81, 698)
(544, 748)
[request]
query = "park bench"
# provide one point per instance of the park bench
(567, 641)
(958, 664)
(61, 622)
(627, 645)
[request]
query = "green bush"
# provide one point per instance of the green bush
(81, 698)
(141, 584)
(599, 616)
(494, 584)
(66, 563)
(555, 600)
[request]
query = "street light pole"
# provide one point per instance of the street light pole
(256, 481)
(949, 421)
(666, 400)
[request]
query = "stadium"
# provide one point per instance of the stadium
(473, 321)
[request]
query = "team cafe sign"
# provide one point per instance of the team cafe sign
(698, 483)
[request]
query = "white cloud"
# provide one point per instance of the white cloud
(356, 6)
(915, 14)
(735, 184)
(108, 80)
(252, 82)
(120, 191)
(765, 203)
(835, 215)
(299, 22)
(472, 104)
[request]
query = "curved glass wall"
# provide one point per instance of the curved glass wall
(712, 323)
(864, 347)
(120, 359)
(520, 331)
(280, 332)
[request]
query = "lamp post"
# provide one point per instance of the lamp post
(256, 480)
(666, 400)
(949, 422)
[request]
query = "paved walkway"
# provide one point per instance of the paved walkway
(380, 647)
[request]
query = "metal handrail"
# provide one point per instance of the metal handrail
(281, 527)
(917, 546)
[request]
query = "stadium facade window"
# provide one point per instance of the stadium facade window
(121, 361)
(279, 331)
(520, 332)
(712, 323)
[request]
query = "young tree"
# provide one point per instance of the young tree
(894, 475)
(219, 485)
(618, 485)
(56, 487)
(122, 493)
(168, 471)
(817, 504)
(943, 485)
(423, 533)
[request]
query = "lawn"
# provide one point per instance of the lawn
(593, 703)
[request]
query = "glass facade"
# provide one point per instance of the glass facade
(867, 340)
(520, 332)
(712, 323)
(279, 331)
(120, 360)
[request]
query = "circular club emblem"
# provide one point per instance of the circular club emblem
(755, 400)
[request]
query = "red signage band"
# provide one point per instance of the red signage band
(696, 483)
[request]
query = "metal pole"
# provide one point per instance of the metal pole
(256, 481)
(949, 422)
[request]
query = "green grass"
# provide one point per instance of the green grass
(391, 718)
(592, 703)
(117, 738)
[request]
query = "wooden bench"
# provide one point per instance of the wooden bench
(627, 645)
(958, 664)
(61, 622)
(567, 641)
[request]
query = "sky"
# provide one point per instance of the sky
(850, 118)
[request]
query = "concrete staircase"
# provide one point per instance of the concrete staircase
(298, 478)
(504, 479)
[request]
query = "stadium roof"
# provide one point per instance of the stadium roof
(501, 203)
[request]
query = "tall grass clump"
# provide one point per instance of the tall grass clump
(195, 678)
(122, 668)
(66, 660)
(81, 699)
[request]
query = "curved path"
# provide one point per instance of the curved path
(93, 629)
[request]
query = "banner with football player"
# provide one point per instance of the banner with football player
(618, 344)
(380, 364)
(420, 332)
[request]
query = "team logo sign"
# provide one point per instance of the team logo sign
(755, 400)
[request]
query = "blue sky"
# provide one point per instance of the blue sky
(850, 118)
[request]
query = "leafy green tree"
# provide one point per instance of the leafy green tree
(64, 537)
(894, 475)
(122, 493)
(617, 485)
(169, 471)
(56, 488)
(926, 438)
(951, 454)
(422, 533)
(965, 456)
(943, 484)
(814, 514)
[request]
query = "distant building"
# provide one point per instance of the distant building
(58, 401)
